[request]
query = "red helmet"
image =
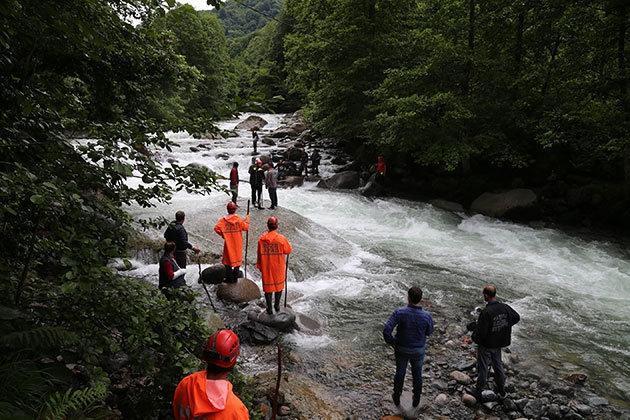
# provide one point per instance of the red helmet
(272, 223)
(222, 349)
(231, 207)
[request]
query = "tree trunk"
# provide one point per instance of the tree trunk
(623, 87)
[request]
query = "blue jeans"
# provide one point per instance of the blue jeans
(404, 356)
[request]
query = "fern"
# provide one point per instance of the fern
(61, 404)
(37, 338)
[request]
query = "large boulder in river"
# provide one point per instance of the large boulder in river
(294, 130)
(447, 205)
(244, 290)
(282, 321)
(372, 189)
(268, 141)
(256, 333)
(513, 204)
(251, 122)
(295, 153)
(342, 180)
(292, 181)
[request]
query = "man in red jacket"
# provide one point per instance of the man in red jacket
(230, 228)
(208, 394)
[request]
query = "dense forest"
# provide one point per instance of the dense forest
(461, 96)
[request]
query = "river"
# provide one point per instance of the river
(573, 294)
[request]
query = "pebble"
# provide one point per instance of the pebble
(441, 399)
(597, 401)
(439, 385)
(469, 400)
(461, 377)
(284, 410)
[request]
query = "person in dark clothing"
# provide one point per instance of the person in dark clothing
(170, 273)
(271, 182)
(315, 159)
(413, 325)
(176, 232)
(492, 332)
(304, 164)
(234, 181)
(255, 139)
(256, 176)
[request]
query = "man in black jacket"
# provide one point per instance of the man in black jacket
(176, 232)
(492, 332)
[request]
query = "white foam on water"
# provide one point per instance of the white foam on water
(309, 342)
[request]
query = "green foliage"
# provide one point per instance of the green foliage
(239, 19)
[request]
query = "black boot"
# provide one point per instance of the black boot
(277, 296)
(268, 302)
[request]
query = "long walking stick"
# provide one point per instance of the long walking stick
(204, 287)
(274, 409)
(246, 242)
(286, 281)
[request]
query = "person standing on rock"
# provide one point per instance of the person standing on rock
(304, 164)
(256, 176)
(170, 274)
(255, 139)
(413, 325)
(234, 181)
(208, 394)
(381, 169)
(271, 182)
(176, 232)
(316, 158)
(231, 228)
(492, 332)
(273, 249)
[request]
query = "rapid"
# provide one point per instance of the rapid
(573, 294)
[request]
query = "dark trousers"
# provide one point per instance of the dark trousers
(273, 196)
(180, 258)
(232, 274)
(259, 196)
(255, 194)
(486, 358)
(277, 296)
(405, 356)
(234, 191)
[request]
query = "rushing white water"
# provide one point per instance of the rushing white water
(573, 295)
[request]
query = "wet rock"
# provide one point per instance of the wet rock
(488, 395)
(214, 274)
(441, 399)
(251, 122)
(223, 156)
(469, 400)
(461, 377)
(342, 180)
(553, 411)
(171, 160)
(292, 181)
(447, 205)
(295, 153)
(534, 408)
(268, 141)
(338, 160)
(515, 204)
(582, 409)
(256, 333)
(283, 321)
(372, 189)
(352, 166)
(308, 325)
(596, 401)
(577, 378)
(194, 149)
(244, 290)
(214, 322)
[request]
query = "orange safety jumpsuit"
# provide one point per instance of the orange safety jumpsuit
(229, 228)
(198, 397)
(272, 248)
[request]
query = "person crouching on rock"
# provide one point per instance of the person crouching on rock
(271, 261)
(230, 228)
(208, 394)
(492, 332)
(170, 273)
(413, 325)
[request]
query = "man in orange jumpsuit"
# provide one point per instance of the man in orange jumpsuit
(271, 261)
(230, 228)
(207, 394)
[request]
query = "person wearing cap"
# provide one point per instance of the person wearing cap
(256, 175)
(234, 181)
(271, 261)
(315, 160)
(208, 394)
(170, 274)
(271, 183)
(230, 228)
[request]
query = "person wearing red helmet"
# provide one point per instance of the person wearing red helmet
(271, 261)
(208, 394)
(230, 228)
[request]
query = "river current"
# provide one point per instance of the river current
(573, 294)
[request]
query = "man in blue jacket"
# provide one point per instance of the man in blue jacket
(413, 325)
